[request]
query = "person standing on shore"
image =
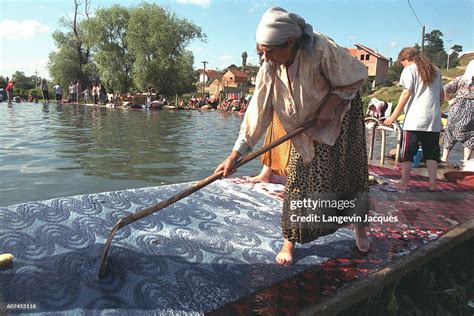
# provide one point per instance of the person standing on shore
(421, 98)
(94, 92)
(45, 90)
(71, 92)
(306, 76)
(86, 93)
(102, 94)
(9, 89)
(59, 93)
(78, 91)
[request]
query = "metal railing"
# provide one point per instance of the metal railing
(378, 126)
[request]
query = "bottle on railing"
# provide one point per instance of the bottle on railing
(417, 159)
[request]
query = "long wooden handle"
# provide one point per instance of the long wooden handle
(204, 182)
(155, 208)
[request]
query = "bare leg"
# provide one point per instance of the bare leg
(432, 166)
(444, 158)
(406, 168)
(264, 175)
(362, 240)
(467, 154)
(285, 256)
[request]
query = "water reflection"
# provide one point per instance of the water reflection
(52, 150)
(72, 149)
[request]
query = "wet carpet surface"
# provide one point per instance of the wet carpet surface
(212, 248)
(212, 252)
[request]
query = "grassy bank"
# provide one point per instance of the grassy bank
(444, 286)
(450, 74)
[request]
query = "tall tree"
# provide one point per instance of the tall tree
(244, 59)
(22, 81)
(454, 57)
(435, 51)
(434, 48)
(3, 82)
(157, 39)
(106, 33)
(433, 41)
(71, 61)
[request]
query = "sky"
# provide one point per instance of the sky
(387, 26)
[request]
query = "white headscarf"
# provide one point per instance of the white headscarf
(469, 73)
(277, 25)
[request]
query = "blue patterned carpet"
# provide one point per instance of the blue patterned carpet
(210, 249)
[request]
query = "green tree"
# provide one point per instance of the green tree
(435, 51)
(71, 61)
(434, 48)
(454, 57)
(63, 66)
(434, 42)
(106, 33)
(23, 82)
(244, 59)
(3, 82)
(456, 49)
(394, 72)
(157, 39)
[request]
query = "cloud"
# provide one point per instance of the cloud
(393, 44)
(10, 29)
(202, 3)
(225, 58)
(28, 66)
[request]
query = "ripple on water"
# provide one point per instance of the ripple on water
(76, 149)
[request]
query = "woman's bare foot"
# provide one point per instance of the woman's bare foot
(264, 175)
(285, 256)
(362, 240)
(260, 178)
(401, 186)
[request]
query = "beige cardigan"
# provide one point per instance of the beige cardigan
(326, 68)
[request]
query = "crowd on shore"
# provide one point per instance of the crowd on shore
(96, 94)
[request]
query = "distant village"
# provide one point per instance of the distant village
(235, 82)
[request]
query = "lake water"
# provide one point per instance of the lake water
(53, 151)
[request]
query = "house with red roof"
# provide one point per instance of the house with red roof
(235, 78)
(377, 65)
(209, 75)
